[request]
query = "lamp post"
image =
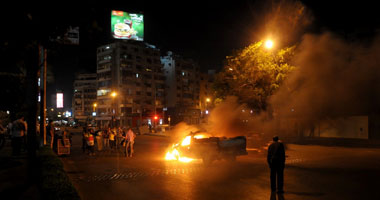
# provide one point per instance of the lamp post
(113, 95)
(208, 100)
(94, 111)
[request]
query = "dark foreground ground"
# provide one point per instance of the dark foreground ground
(312, 172)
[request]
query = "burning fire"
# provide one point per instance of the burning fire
(174, 154)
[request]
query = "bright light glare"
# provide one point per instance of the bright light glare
(199, 136)
(186, 141)
(113, 94)
(269, 44)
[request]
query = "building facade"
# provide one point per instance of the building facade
(182, 88)
(206, 96)
(131, 84)
(84, 97)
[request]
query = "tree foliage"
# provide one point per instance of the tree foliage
(254, 74)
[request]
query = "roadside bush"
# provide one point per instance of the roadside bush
(54, 182)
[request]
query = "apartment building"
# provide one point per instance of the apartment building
(131, 84)
(206, 97)
(84, 97)
(182, 88)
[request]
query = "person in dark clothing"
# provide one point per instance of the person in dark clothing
(276, 161)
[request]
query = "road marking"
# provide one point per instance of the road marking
(132, 175)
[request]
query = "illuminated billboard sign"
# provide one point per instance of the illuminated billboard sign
(59, 100)
(127, 25)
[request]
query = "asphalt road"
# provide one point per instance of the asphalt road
(312, 172)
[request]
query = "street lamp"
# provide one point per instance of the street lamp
(94, 105)
(113, 95)
(208, 100)
(269, 44)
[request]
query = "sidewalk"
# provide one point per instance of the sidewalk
(13, 176)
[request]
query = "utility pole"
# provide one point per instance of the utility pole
(43, 63)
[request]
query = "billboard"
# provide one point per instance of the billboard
(127, 25)
(59, 100)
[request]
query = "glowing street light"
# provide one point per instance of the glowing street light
(208, 100)
(113, 94)
(94, 105)
(268, 44)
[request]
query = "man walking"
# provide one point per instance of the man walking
(276, 161)
(130, 139)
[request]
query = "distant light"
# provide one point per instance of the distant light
(206, 112)
(68, 114)
(107, 47)
(208, 100)
(94, 114)
(58, 115)
(230, 69)
(59, 100)
(113, 94)
(137, 75)
(8, 112)
(269, 44)
(52, 109)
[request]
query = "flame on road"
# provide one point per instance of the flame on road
(174, 154)
(186, 141)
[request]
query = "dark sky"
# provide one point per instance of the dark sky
(206, 31)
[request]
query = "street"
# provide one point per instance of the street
(312, 172)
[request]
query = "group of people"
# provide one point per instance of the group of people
(108, 138)
(53, 136)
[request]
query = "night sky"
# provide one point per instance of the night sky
(204, 31)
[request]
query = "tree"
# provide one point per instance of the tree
(254, 74)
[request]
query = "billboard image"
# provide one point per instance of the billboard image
(127, 25)
(59, 100)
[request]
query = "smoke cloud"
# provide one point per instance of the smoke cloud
(333, 78)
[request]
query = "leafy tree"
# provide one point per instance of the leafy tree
(254, 74)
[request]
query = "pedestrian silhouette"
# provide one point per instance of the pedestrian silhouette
(276, 162)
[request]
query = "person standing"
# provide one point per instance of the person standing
(106, 141)
(99, 140)
(112, 138)
(276, 162)
(18, 132)
(130, 139)
(84, 142)
(50, 132)
(90, 142)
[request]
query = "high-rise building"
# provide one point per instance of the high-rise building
(206, 96)
(84, 97)
(182, 88)
(131, 84)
